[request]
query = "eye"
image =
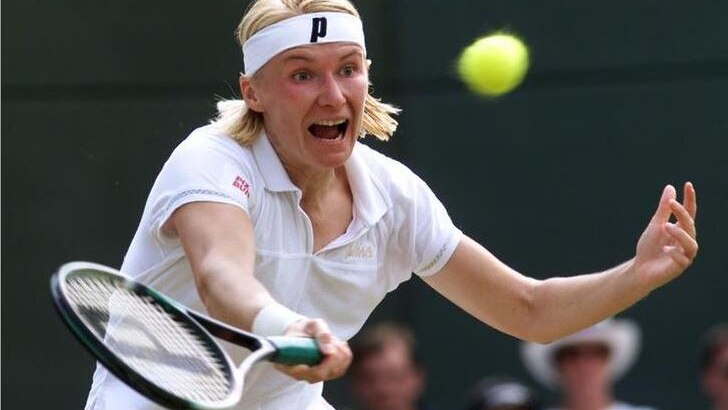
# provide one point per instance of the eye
(348, 71)
(302, 76)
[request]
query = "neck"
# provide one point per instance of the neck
(307, 178)
(316, 185)
(313, 181)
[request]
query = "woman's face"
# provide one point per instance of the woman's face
(312, 100)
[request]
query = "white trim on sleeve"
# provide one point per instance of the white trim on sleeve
(442, 257)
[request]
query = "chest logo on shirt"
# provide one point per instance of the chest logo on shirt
(358, 251)
(242, 185)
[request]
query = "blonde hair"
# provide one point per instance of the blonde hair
(245, 125)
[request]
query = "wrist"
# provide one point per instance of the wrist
(638, 284)
(273, 319)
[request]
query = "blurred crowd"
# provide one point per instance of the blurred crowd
(581, 369)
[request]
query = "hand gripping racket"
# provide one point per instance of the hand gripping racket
(158, 346)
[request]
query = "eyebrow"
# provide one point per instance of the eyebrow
(301, 55)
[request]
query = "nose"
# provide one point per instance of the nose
(332, 93)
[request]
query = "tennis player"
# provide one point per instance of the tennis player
(275, 219)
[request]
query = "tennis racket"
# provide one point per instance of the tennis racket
(159, 347)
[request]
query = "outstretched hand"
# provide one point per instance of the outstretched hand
(667, 248)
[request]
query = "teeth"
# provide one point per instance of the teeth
(330, 123)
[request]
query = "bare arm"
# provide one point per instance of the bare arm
(219, 242)
(545, 310)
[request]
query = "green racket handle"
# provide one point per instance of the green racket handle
(295, 350)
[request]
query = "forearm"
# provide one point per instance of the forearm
(231, 296)
(563, 305)
(530, 309)
(664, 250)
(218, 240)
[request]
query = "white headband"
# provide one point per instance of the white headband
(313, 28)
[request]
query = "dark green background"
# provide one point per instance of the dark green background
(556, 178)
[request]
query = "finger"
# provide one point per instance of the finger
(306, 373)
(320, 331)
(678, 256)
(690, 199)
(683, 217)
(337, 361)
(336, 364)
(295, 370)
(687, 244)
(298, 372)
(663, 212)
(331, 367)
(344, 358)
(336, 355)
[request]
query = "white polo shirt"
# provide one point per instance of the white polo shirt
(398, 227)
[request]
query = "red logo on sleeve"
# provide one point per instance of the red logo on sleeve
(242, 185)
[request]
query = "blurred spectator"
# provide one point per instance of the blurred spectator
(714, 366)
(385, 373)
(501, 394)
(584, 366)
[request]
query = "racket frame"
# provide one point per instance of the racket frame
(89, 339)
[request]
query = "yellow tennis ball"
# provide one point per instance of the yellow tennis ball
(493, 65)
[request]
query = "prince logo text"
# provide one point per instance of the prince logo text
(318, 28)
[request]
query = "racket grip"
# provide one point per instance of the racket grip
(295, 350)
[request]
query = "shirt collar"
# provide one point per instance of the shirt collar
(370, 203)
(274, 175)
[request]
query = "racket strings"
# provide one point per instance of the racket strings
(166, 351)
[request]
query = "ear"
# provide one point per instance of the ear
(249, 93)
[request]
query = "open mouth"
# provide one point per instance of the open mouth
(329, 130)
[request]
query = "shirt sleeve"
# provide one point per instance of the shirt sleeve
(202, 168)
(426, 233)
(435, 235)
